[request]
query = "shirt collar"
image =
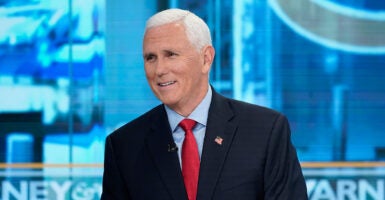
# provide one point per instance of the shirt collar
(199, 114)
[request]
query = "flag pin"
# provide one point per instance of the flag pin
(218, 140)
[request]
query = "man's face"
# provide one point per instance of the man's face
(176, 72)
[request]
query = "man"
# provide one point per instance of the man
(233, 150)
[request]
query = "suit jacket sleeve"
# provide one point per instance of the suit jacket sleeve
(283, 174)
(113, 184)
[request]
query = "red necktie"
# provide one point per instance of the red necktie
(190, 159)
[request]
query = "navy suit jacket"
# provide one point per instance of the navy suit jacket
(256, 159)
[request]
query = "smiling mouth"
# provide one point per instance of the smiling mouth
(166, 83)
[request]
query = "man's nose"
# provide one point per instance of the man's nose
(161, 67)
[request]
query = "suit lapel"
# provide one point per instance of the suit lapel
(219, 135)
(166, 162)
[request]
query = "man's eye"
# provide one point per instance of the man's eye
(170, 54)
(150, 58)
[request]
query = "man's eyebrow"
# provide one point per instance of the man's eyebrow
(171, 50)
(163, 51)
(148, 54)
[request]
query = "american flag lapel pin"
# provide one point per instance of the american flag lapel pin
(218, 140)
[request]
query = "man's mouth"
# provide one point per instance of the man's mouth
(166, 83)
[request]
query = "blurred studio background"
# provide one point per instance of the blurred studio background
(71, 72)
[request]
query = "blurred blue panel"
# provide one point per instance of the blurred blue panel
(334, 25)
(374, 5)
(20, 148)
(80, 70)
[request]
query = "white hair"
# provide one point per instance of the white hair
(197, 30)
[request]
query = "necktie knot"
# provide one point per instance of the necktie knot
(187, 124)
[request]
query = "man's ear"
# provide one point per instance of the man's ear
(208, 57)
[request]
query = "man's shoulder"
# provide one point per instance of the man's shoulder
(264, 115)
(139, 125)
(249, 109)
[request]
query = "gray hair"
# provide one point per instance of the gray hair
(197, 30)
